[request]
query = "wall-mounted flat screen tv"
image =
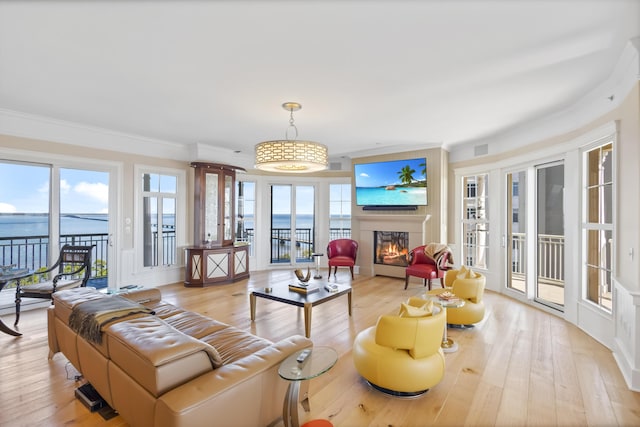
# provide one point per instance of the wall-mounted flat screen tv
(391, 184)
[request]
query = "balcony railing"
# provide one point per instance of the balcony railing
(305, 243)
(550, 257)
(339, 233)
(32, 252)
(281, 244)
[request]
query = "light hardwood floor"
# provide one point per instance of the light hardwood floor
(519, 366)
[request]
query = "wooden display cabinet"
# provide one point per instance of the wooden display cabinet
(215, 256)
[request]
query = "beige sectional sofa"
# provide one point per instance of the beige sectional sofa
(174, 367)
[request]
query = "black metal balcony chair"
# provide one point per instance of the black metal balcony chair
(71, 270)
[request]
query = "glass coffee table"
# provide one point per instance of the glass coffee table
(281, 293)
(319, 361)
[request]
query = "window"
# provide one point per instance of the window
(159, 194)
(245, 212)
(25, 226)
(516, 253)
(292, 208)
(598, 225)
(339, 211)
(475, 220)
(46, 207)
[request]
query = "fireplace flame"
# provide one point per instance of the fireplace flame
(390, 251)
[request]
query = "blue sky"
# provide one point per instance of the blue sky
(282, 196)
(25, 189)
(385, 173)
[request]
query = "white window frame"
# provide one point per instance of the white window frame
(475, 221)
(588, 226)
(180, 220)
(341, 201)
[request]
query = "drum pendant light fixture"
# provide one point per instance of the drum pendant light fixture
(291, 155)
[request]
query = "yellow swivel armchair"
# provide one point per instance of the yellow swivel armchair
(469, 286)
(401, 355)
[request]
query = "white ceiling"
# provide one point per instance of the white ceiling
(392, 75)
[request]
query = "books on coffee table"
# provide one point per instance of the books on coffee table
(303, 289)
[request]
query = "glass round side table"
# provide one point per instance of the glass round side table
(448, 345)
(319, 361)
(317, 256)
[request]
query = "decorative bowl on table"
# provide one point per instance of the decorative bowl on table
(447, 296)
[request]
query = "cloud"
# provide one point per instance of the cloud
(7, 208)
(44, 188)
(64, 186)
(364, 175)
(97, 191)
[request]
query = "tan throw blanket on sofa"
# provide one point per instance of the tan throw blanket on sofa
(87, 318)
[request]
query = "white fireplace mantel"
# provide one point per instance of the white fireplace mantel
(415, 225)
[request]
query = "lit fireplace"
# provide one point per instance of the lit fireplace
(391, 248)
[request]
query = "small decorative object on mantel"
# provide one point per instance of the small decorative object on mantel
(301, 277)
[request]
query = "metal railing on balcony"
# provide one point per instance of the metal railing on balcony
(279, 250)
(550, 257)
(248, 236)
(32, 252)
(169, 249)
(281, 244)
(304, 246)
(339, 233)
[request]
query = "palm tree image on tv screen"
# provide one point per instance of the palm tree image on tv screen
(391, 183)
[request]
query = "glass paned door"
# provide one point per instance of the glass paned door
(281, 218)
(305, 223)
(24, 214)
(159, 219)
(549, 288)
(516, 231)
(84, 217)
(245, 213)
(292, 208)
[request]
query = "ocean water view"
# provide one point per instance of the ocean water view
(302, 222)
(32, 234)
(24, 225)
(400, 196)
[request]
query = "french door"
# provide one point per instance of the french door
(549, 287)
(292, 223)
(517, 231)
(534, 237)
(45, 206)
(84, 216)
